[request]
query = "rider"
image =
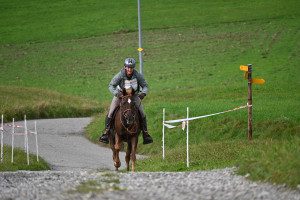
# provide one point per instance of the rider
(127, 75)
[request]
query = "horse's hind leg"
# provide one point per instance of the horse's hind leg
(128, 152)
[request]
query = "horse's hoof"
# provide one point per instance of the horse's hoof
(117, 164)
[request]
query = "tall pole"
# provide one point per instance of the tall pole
(140, 49)
(249, 101)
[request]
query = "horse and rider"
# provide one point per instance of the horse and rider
(128, 77)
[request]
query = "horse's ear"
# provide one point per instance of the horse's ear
(124, 92)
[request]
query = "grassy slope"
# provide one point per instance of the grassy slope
(192, 55)
(40, 103)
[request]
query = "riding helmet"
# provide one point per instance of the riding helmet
(129, 62)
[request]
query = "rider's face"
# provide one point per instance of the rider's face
(129, 71)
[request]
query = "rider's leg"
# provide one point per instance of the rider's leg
(146, 137)
(104, 137)
(108, 119)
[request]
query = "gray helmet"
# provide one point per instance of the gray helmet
(129, 62)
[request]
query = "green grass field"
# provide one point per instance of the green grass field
(67, 51)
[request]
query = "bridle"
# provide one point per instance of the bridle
(133, 128)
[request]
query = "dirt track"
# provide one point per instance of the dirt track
(63, 145)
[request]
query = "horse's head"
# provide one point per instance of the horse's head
(128, 110)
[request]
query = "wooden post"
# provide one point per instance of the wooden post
(249, 101)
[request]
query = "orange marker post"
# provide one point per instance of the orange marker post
(248, 75)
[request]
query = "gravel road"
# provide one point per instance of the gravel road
(82, 170)
(62, 143)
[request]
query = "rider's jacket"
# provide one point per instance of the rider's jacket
(120, 81)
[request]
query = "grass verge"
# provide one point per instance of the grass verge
(272, 161)
(20, 161)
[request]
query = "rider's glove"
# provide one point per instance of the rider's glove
(142, 95)
(120, 94)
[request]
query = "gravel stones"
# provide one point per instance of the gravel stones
(215, 184)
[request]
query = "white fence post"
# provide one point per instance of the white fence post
(12, 140)
(36, 142)
(187, 137)
(25, 144)
(26, 139)
(163, 135)
(185, 122)
(1, 138)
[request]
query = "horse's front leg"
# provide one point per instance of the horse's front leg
(134, 142)
(117, 161)
(112, 146)
(128, 152)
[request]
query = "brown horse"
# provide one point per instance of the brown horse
(126, 128)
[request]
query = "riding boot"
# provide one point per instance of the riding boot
(104, 137)
(146, 137)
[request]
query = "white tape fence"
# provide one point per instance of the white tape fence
(24, 133)
(185, 124)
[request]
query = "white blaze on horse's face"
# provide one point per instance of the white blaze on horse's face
(129, 101)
